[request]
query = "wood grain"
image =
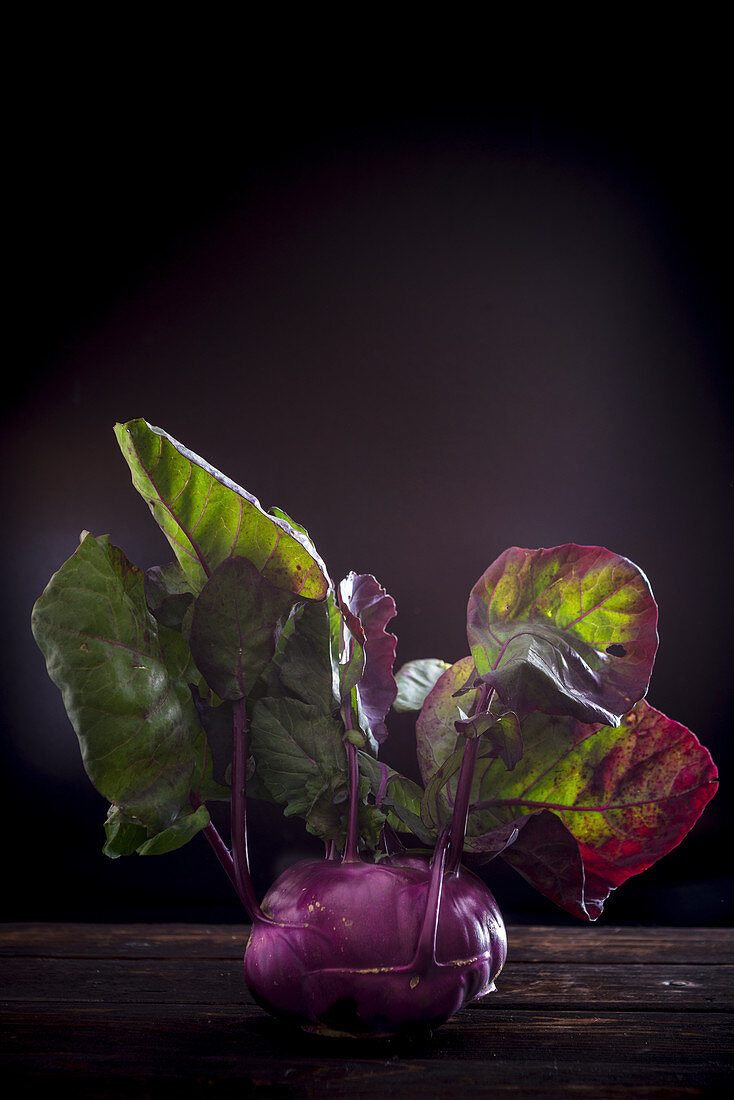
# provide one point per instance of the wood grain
(147, 1011)
(527, 943)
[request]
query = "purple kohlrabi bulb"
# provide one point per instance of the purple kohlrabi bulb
(355, 948)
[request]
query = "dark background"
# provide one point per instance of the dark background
(436, 295)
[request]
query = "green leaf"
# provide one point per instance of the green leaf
(436, 736)
(306, 670)
(296, 528)
(501, 731)
(217, 722)
(168, 594)
(398, 796)
(141, 742)
(606, 801)
(348, 644)
(401, 819)
(207, 518)
(123, 837)
(351, 664)
(234, 627)
(301, 764)
(176, 835)
(571, 630)
(300, 757)
(415, 680)
(436, 807)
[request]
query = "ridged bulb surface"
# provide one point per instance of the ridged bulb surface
(342, 954)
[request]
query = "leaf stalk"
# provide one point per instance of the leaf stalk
(460, 815)
(241, 862)
(351, 847)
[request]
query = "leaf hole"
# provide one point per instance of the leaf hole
(616, 650)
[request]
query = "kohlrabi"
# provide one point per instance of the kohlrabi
(240, 667)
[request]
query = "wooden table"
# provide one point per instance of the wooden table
(145, 1010)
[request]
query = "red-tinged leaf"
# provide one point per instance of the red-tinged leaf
(626, 795)
(368, 609)
(655, 783)
(548, 857)
(570, 630)
(617, 798)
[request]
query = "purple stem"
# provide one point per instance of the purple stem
(241, 861)
(391, 843)
(223, 854)
(220, 849)
(425, 954)
(351, 848)
(463, 789)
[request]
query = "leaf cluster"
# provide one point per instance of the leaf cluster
(578, 782)
(150, 665)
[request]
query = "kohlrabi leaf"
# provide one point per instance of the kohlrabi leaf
(269, 681)
(571, 630)
(348, 661)
(216, 720)
(447, 712)
(437, 807)
(501, 731)
(234, 626)
(399, 797)
(120, 675)
(168, 594)
(207, 518)
(414, 681)
(436, 735)
(303, 534)
(306, 670)
(301, 763)
(292, 743)
(496, 842)
(123, 837)
(549, 858)
(349, 644)
(176, 835)
(438, 803)
(367, 601)
(626, 795)
(622, 795)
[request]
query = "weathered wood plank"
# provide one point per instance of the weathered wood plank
(123, 940)
(91, 1087)
(521, 1054)
(527, 943)
(646, 986)
(143, 1010)
(244, 1030)
(542, 1081)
